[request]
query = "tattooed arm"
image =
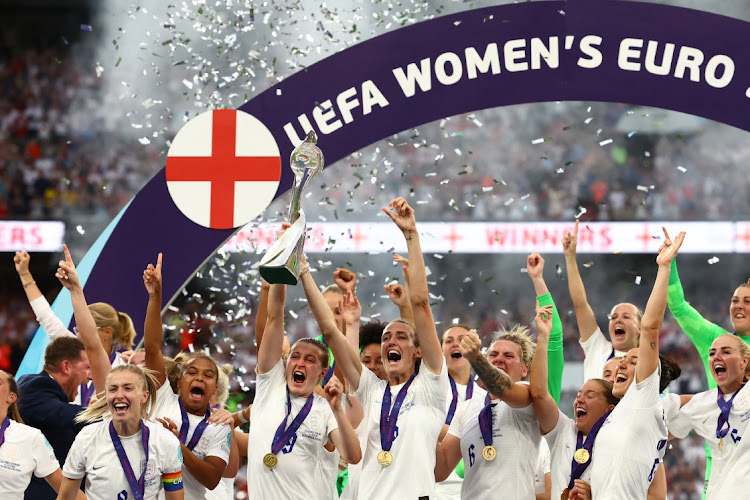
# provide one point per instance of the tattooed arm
(653, 316)
(497, 382)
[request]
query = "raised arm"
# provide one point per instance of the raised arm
(262, 316)
(432, 355)
(497, 381)
(653, 316)
(555, 360)
(153, 332)
(345, 354)
(584, 314)
(21, 261)
(87, 330)
(52, 325)
(344, 438)
(269, 352)
(351, 310)
(699, 330)
(544, 405)
(399, 294)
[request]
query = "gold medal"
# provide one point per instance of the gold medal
(721, 444)
(270, 460)
(489, 453)
(565, 494)
(385, 458)
(581, 455)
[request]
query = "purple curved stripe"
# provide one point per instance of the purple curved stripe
(153, 223)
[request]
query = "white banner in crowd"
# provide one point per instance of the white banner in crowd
(504, 237)
(32, 236)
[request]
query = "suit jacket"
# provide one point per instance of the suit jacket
(43, 404)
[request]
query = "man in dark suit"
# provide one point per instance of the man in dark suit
(44, 402)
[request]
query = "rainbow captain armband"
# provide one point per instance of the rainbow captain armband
(172, 481)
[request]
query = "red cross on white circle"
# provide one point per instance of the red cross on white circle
(223, 168)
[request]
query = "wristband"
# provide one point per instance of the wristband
(241, 416)
(26, 285)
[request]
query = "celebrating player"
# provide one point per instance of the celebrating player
(624, 319)
(205, 448)
(124, 454)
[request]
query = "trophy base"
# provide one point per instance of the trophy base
(278, 275)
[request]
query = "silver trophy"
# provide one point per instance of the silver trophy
(281, 263)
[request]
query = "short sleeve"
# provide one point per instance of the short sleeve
(671, 404)
(596, 351)
(645, 392)
(264, 383)
(172, 453)
(546, 457)
(44, 456)
(367, 380)
(457, 424)
(331, 422)
(553, 435)
(165, 397)
(75, 463)
(681, 425)
(220, 443)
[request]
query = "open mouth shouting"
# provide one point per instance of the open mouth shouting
(120, 409)
(197, 394)
(298, 378)
(720, 370)
(456, 354)
(581, 413)
(620, 333)
(393, 357)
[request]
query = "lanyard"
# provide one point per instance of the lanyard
(454, 401)
(388, 429)
(137, 486)
(283, 433)
(186, 427)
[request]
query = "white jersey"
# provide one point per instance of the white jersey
(351, 490)
(93, 455)
(542, 467)
(597, 351)
(515, 436)
(630, 444)
(562, 446)
(55, 328)
(730, 469)
(215, 441)
(300, 469)
(223, 491)
(422, 415)
(329, 468)
(25, 451)
(450, 488)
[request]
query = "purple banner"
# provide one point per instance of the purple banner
(588, 50)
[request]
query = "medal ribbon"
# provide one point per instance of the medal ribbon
(87, 390)
(137, 486)
(5, 425)
(485, 421)
(282, 435)
(388, 421)
(576, 469)
(725, 407)
(185, 427)
(454, 401)
(329, 373)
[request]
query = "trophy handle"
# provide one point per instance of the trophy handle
(281, 263)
